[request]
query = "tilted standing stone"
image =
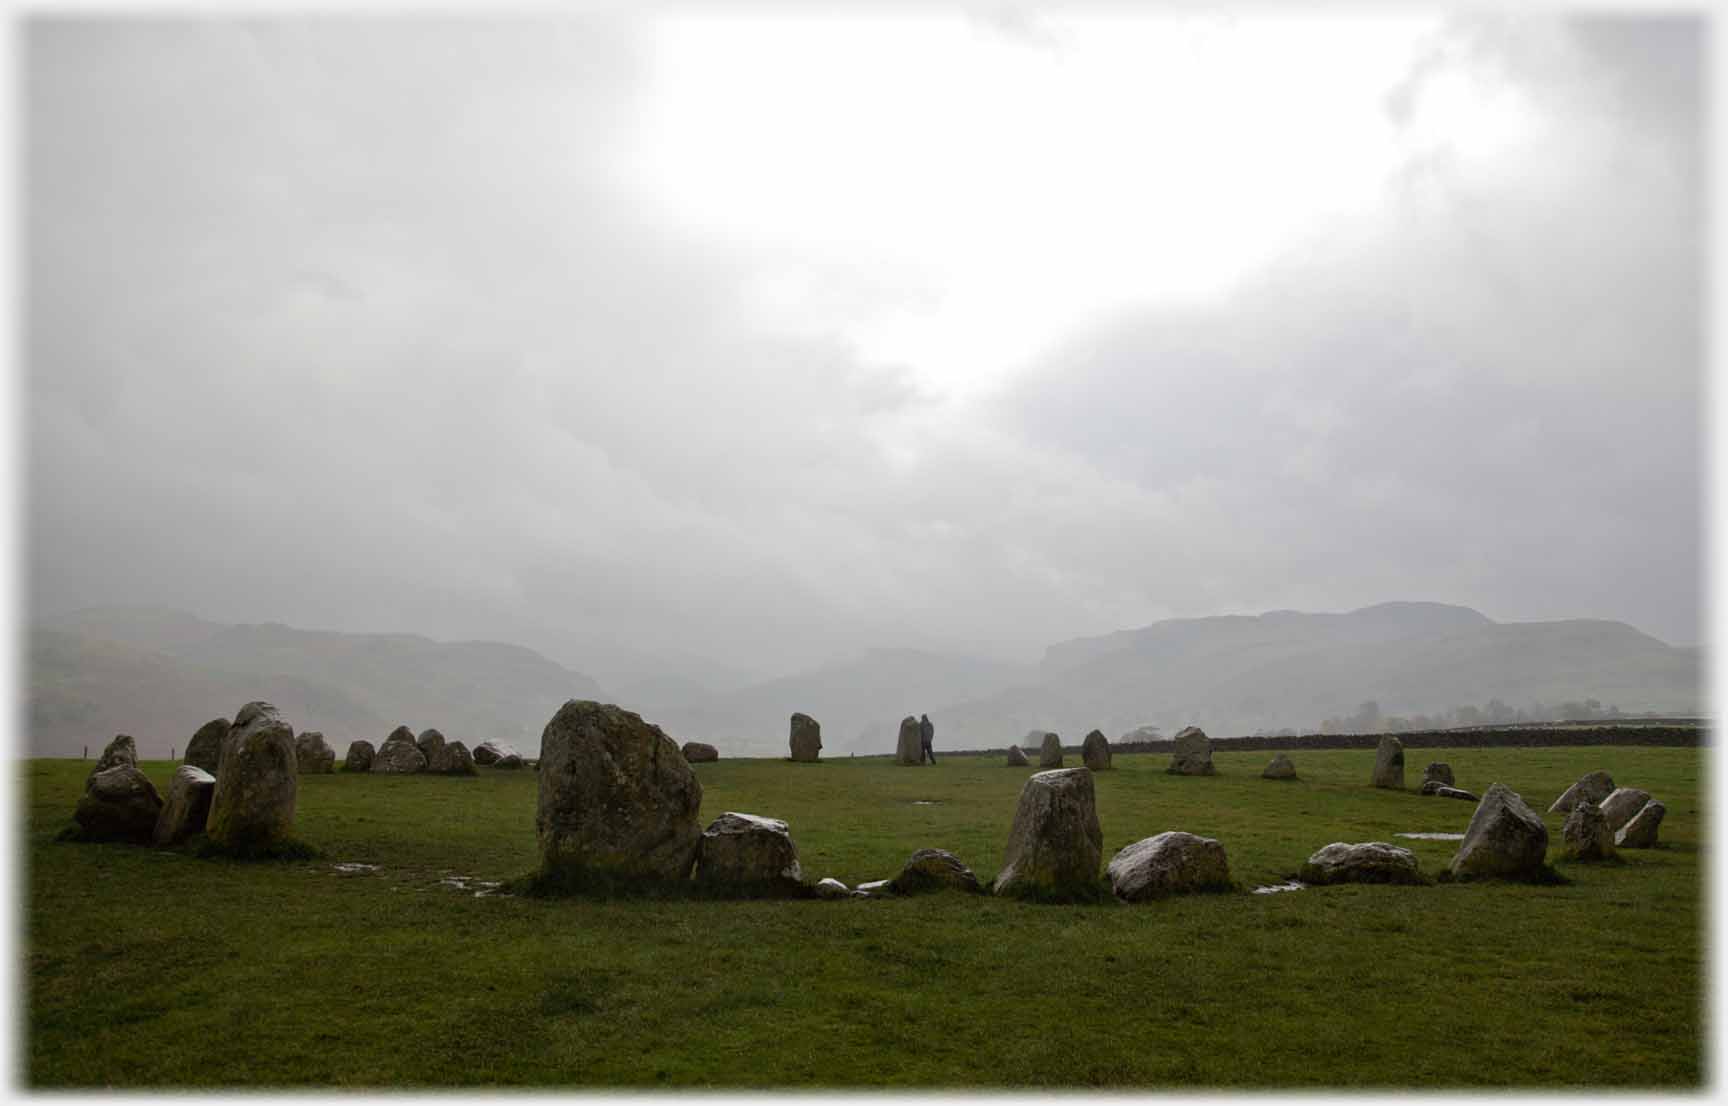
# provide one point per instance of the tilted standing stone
(1591, 787)
(187, 810)
(909, 749)
(1169, 863)
(1050, 753)
(1505, 838)
(1389, 763)
(259, 780)
(1192, 755)
(934, 870)
(1367, 862)
(1441, 771)
(805, 738)
(747, 851)
(1281, 768)
(205, 749)
(1640, 832)
(697, 752)
(452, 759)
(1095, 751)
(1055, 843)
(122, 750)
(1586, 833)
(313, 754)
(1622, 804)
(359, 759)
(119, 803)
(1017, 757)
(617, 798)
(399, 754)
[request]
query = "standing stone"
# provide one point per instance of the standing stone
(1640, 832)
(312, 754)
(1439, 771)
(429, 742)
(1095, 751)
(359, 759)
(934, 870)
(1389, 763)
(1050, 753)
(491, 752)
(119, 804)
(187, 810)
(511, 760)
(1192, 755)
(617, 798)
(1368, 862)
(1505, 838)
(697, 752)
(748, 852)
(399, 755)
(256, 787)
(1281, 768)
(1055, 843)
(205, 749)
(1017, 757)
(1170, 863)
(122, 750)
(909, 747)
(1622, 804)
(1586, 833)
(452, 759)
(805, 739)
(1591, 787)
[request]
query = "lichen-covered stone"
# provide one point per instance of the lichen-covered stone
(313, 754)
(1621, 804)
(1055, 843)
(1505, 838)
(258, 783)
(1591, 787)
(1281, 768)
(1640, 832)
(1366, 862)
(1389, 763)
(119, 804)
(1192, 755)
(831, 888)
(935, 870)
(400, 754)
(1586, 834)
(510, 761)
(617, 798)
(1095, 751)
(205, 749)
(1017, 757)
(187, 808)
(747, 851)
(452, 759)
(1050, 752)
(360, 756)
(909, 746)
(121, 750)
(1167, 864)
(1441, 771)
(491, 752)
(698, 752)
(804, 738)
(429, 742)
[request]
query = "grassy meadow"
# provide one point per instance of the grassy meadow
(152, 968)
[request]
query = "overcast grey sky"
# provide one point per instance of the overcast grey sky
(763, 339)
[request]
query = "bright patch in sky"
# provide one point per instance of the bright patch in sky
(954, 196)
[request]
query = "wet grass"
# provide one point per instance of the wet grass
(150, 968)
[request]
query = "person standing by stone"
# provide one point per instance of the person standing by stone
(926, 734)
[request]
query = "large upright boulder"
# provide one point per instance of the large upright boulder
(491, 752)
(1505, 838)
(360, 757)
(1389, 763)
(119, 804)
(1640, 832)
(1281, 767)
(1192, 754)
(314, 754)
(934, 870)
(909, 747)
(1017, 757)
(187, 809)
(205, 749)
(1095, 751)
(1592, 787)
(121, 750)
(429, 742)
(452, 759)
(1050, 752)
(617, 800)
(1586, 834)
(399, 755)
(256, 787)
(1439, 771)
(805, 738)
(1055, 843)
(747, 852)
(1168, 864)
(699, 752)
(1622, 804)
(1367, 862)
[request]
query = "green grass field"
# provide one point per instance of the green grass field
(150, 968)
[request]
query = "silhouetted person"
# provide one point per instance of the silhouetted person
(926, 734)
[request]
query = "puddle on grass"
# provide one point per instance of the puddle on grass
(1431, 836)
(350, 868)
(1274, 888)
(470, 883)
(926, 802)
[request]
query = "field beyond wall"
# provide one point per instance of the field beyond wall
(155, 969)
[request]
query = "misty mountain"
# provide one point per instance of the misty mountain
(158, 674)
(1235, 674)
